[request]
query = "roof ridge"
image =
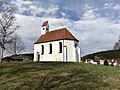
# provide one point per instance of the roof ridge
(57, 29)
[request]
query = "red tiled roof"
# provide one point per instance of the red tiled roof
(45, 23)
(55, 35)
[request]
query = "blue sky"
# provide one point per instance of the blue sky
(96, 23)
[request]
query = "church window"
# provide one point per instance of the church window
(47, 29)
(75, 45)
(42, 49)
(50, 48)
(60, 47)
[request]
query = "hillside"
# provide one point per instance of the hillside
(104, 55)
(58, 76)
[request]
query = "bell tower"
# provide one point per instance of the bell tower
(44, 28)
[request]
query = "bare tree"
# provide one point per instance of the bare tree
(117, 45)
(16, 45)
(7, 25)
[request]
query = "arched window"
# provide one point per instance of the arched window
(47, 29)
(60, 47)
(75, 45)
(50, 45)
(42, 49)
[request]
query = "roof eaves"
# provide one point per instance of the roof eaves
(57, 40)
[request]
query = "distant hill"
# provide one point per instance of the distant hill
(110, 54)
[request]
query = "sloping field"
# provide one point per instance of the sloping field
(58, 76)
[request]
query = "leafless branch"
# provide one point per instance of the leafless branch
(16, 45)
(7, 24)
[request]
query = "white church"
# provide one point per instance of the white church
(56, 45)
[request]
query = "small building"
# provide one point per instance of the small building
(56, 45)
(19, 57)
(101, 62)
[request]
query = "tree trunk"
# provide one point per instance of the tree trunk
(14, 52)
(1, 54)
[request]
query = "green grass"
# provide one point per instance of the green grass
(58, 76)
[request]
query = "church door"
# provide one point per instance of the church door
(38, 56)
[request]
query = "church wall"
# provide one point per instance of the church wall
(69, 52)
(55, 56)
(71, 56)
(43, 30)
(36, 49)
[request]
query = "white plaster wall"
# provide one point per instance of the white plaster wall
(73, 54)
(68, 48)
(55, 56)
(37, 48)
(101, 62)
(79, 54)
(43, 31)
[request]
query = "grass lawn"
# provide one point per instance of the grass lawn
(58, 76)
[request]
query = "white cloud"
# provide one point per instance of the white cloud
(95, 35)
(116, 7)
(21, 2)
(33, 9)
(98, 34)
(108, 5)
(52, 9)
(89, 13)
(21, 5)
(29, 30)
(27, 3)
(112, 6)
